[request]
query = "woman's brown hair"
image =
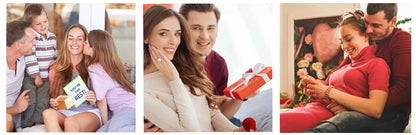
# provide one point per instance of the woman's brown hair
(63, 67)
(186, 60)
(105, 53)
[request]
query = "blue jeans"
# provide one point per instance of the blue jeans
(123, 121)
(236, 122)
(392, 120)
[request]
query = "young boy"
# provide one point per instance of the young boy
(36, 77)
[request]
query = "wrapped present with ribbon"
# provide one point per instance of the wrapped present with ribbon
(64, 102)
(251, 81)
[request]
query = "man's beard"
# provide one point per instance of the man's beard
(384, 36)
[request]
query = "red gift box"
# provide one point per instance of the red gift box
(251, 81)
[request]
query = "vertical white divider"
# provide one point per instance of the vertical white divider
(92, 16)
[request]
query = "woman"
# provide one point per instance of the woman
(360, 83)
(176, 91)
(109, 80)
(69, 64)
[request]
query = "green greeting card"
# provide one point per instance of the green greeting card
(77, 90)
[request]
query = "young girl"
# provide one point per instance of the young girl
(110, 83)
(69, 64)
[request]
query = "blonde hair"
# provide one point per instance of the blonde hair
(356, 19)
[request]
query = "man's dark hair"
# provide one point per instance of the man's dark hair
(390, 9)
(186, 8)
(16, 31)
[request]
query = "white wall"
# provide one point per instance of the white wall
(92, 16)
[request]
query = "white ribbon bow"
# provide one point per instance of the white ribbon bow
(248, 76)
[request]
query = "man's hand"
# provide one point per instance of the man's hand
(150, 127)
(336, 108)
(38, 81)
(22, 102)
(254, 94)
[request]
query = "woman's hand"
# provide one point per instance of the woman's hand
(163, 63)
(336, 108)
(304, 84)
(304, 81)
(91, 98)
(315, 88)
(53, 103)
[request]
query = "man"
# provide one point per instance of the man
(394, 46)
(203, 20)
(20, 40)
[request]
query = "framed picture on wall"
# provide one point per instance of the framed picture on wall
(308, 43)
